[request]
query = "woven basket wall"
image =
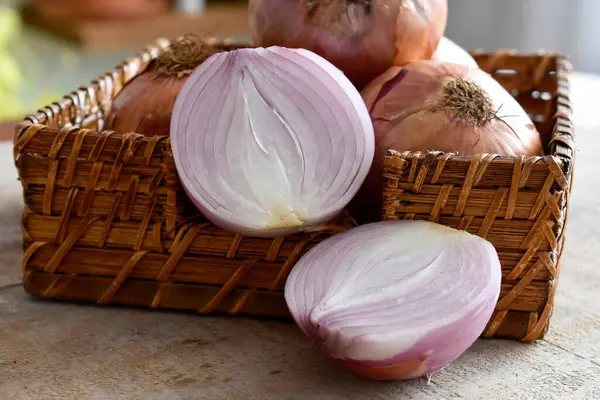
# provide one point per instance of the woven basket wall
(105, 218)
(519, 204)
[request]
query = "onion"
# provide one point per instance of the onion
(144, 105)
(397, 299)
(362, 38)
(270, 141)
(430, 105)
(448, 51)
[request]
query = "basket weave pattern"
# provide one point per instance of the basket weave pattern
(106, 219)
(518, 204)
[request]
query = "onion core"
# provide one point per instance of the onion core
(395, 299)
(270, 141)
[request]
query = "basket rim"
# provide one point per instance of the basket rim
(561, 142)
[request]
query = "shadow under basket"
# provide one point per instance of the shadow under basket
(106, 221)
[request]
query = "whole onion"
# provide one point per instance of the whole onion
(449, 51)
(362, 38)
(270, 141)
(430, 105)
(396, 299)
(145, 104)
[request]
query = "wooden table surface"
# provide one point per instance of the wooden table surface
(61, 351)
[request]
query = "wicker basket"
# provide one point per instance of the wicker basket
(519, 204)
(105, 220)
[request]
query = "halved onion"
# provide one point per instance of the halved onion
(395, 299)
(270, 141)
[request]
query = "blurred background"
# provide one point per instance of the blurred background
(570, 27)
(50, 47)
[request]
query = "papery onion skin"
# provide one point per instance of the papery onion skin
(269, 142)
(450, 52)
(429, 105)
(395, 300)
(362, 38)
(145, 104)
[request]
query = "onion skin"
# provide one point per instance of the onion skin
(450, 52)
(145, 104)
(401, 370)
(395, 300)
(406, 115)
(362, 38)
(409, 114)
(427, 29)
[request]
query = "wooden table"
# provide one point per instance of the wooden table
(224, 19)
(66, 351)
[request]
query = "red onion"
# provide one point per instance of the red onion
(430, 105)
(448, 51)
(362, 38)
(270, 141)
(397, 299)
(145, 104)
